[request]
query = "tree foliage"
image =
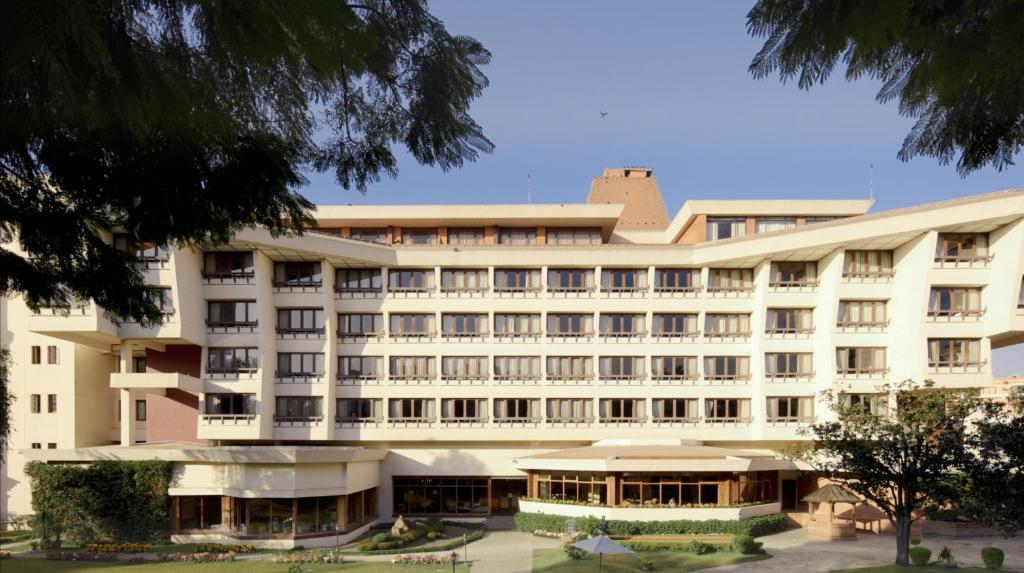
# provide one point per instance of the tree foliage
(183, 121)
(6, 402)
(956, 67)
(996, 472)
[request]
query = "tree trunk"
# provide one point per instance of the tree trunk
(902, 525)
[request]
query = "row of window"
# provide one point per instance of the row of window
(728, 227)
(52, 355)
(468, 236)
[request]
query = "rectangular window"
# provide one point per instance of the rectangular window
(468, 325)
(51, 446)
(464, 367)
(161, 297)
(466, 236)
(417, 325)
(727, 367)
(37, 355)
(621, 367)
(228, 264)
(624, 410)
(300, 364)
(298, 274)
(812, 220)
(874, 404)
(419, 236)
(464, 280)
(726, 325)
(675, 325)
(676, 280)
(410, 280)
(790, 409)
(516, 410)
(359, 410)
(517, 367)
(793, 274)
(377, 236)
(570, 324)
(788, 365)
(298, 408)
(674, 367)
(946, 352)
(358, 281)
(517, 280)
(360, 367)
(570, 280)
(408, 367)
(623, 280)
(231, 313)
(140, 410)
(300, 320)
(232, 360)
(517, 325)
(35, 403)
(726, 227)
(464, 410)
(868, 264)
(574, 236)
(789, 321)
(411, 409)
(357, 325)
(769, 224)
(518, 236)
(37, 446)
(860, 360)
(961, 247)
(854, 313)
(51, 403)
(954, 302)
(675, 410)
(732, 410)
(574, 410)
(230, 404)
(52, 356)
(145, 251)
(730, 280)
(623, 324)
(570, 367)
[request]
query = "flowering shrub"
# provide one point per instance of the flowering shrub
(118, 547)
(225, 548)
(420, 559)
(201, 557)
(310, 557)
(80, 556)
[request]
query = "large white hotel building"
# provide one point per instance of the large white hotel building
(469, 360)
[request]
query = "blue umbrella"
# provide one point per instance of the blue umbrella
(601, 544)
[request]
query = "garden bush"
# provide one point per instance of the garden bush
(476, 532)
(118, 547)
(915, 541)
(946, 555)
(754, 527)
(992, 557)
(225, 548)
(746, 545)
(646, 565)
(920, 556)
(685, 546)
(381, 537)
(573, 552)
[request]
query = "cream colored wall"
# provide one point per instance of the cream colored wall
(266, 480)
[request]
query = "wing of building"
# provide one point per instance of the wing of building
(468, 360)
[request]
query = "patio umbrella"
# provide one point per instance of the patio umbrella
(601, 544)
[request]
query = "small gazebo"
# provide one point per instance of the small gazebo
(830, 527)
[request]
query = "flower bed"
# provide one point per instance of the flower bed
(225, 548)
(118, 547)
(200, 557)
(755, 526)
(311, 557)
(421, 559)
(80, 556)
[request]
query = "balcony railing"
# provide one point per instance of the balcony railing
(673, 335)
(581, 334)
(793, 284)
(465, 335)
(465, 292)
(410, 292)
(411, 421)
(298, 377)
(860, 325)
(357, 292)
(790, 420)
(235, 277)
(624, 421)
(862, 372)
(347, 422)
(951, 315)
(229, 419)
(517, 291)
(571, 421)
(621, 379)
(690, 378)
(297, 286)
(691, 290)
(727, 378)
(570, 378)
(746, 290)
(476, 421)
(726, 335)
(676, 420)
(517, 336)
(297, 421)
(788, 376)
(784, 331)
(358, 336)
(288, 332)
(727, 420)
(231, 325)
(957, 367)
(571, 291)
(869, 276)
(247, 370)
(518, 378)
(527, 422)
(617, 335)
(963, 260)
(349, 379)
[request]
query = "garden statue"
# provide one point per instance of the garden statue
(399, 527)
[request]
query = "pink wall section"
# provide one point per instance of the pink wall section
(172, 417)
(182, 358)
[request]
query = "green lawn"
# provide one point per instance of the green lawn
(555, 561)
(912, 569)
(45, 566)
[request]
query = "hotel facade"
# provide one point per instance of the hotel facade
(469, 361)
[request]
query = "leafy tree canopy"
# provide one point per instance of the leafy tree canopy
(956, 67)
(183, 121)
(996, 471)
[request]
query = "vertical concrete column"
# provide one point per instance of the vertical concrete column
(267, 343)
(825, 314)
(127, 398)
(908, 305)
(330, 350)
(758, 394)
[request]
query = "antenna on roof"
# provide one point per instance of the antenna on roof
(529, 190)
(871, 181)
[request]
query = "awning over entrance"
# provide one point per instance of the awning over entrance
(657, 458)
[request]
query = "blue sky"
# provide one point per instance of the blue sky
(672, 76)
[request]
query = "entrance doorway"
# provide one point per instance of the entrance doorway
(505, 494)
(789, 500)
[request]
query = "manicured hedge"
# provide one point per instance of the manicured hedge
(754, 526)
(697, 547)
(477, 532)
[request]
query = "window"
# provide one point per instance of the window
(516, 410)
(228, 264)
(517, 367)
(726, 325)
(727, 367)
(570, 324)
(356, 325)
(570, 410)
(793, 274)
(464, 367)
(621, 367)
(474, 280)
(790, 409)
(862, 313)
(874, 404)
(359, 409)
(37, 446)
(674, 367)
(35, 403)
(232, 360)
(730, 280)
(726, 227)
(419, 495)
(769, 224)
(140, 410)
(675, 324)
(945, 352)
(161, 297)
(357, 281)
(298, 274)
(464, 409)
(949, 302)
(676, 280)
(298, 408)
(570, 280)
(574, 236)
(867, 264)
(788, 365)
(517, 236)
(231, 404)
(411, 409)
(411, 280)
(51, 446)
(378, 236)
(623, 280)
(37, 355)
(789, 320)
(517, 325)
(407, 367)
(956, 247)
(624, 410)
(1020, 294)
(622, 324)
(197, 512)
(138, 363)
(860, 360)
(570, 367)
(231, 313)
(811, 220)
(675, 410)
(581, 487)
(146, 251)
(300, 364)
(516, 280)
(456, 325)
(419, 236)
(413, 325)
(52, 355)
(51, 403)
(727, 409)
(360, 367)
(466, 236)
(300, 320)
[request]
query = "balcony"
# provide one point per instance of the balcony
(871, 373)
(297, 421)
(298, 377)
(957, 367)
(570, 291)
(155, 381)
(789, 377)
(467, 422)
(728, 421)
(730, 291)
(297, 286)
(83, 323)
(234, 372)
(623, 336)
(359, 380)
(229, 277)
(517, 336)
(228, 419)
(624, 422)
(424, 336)
(967, 260)
(465, 379)
(359, 337)
(671, 336)
(410, 292)
(465, 336)
(569, 379)
(517, 291)
(231, 327)
(676, 422)
(726, 336)
(464, 292)
(517, 379)
(343, 423)
(861, 326)
(621, 379)
(514, 422)
(726, 379)
(784, 332)
(413, 379)
(792, 284)
(624, 291)
(571, 422)
(663, 291)
(952, 315)
(789, 421)
(411, 422)
(341, 292)
(688, 379)
(571, 336)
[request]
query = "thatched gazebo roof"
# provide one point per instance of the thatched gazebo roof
(833, 494)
